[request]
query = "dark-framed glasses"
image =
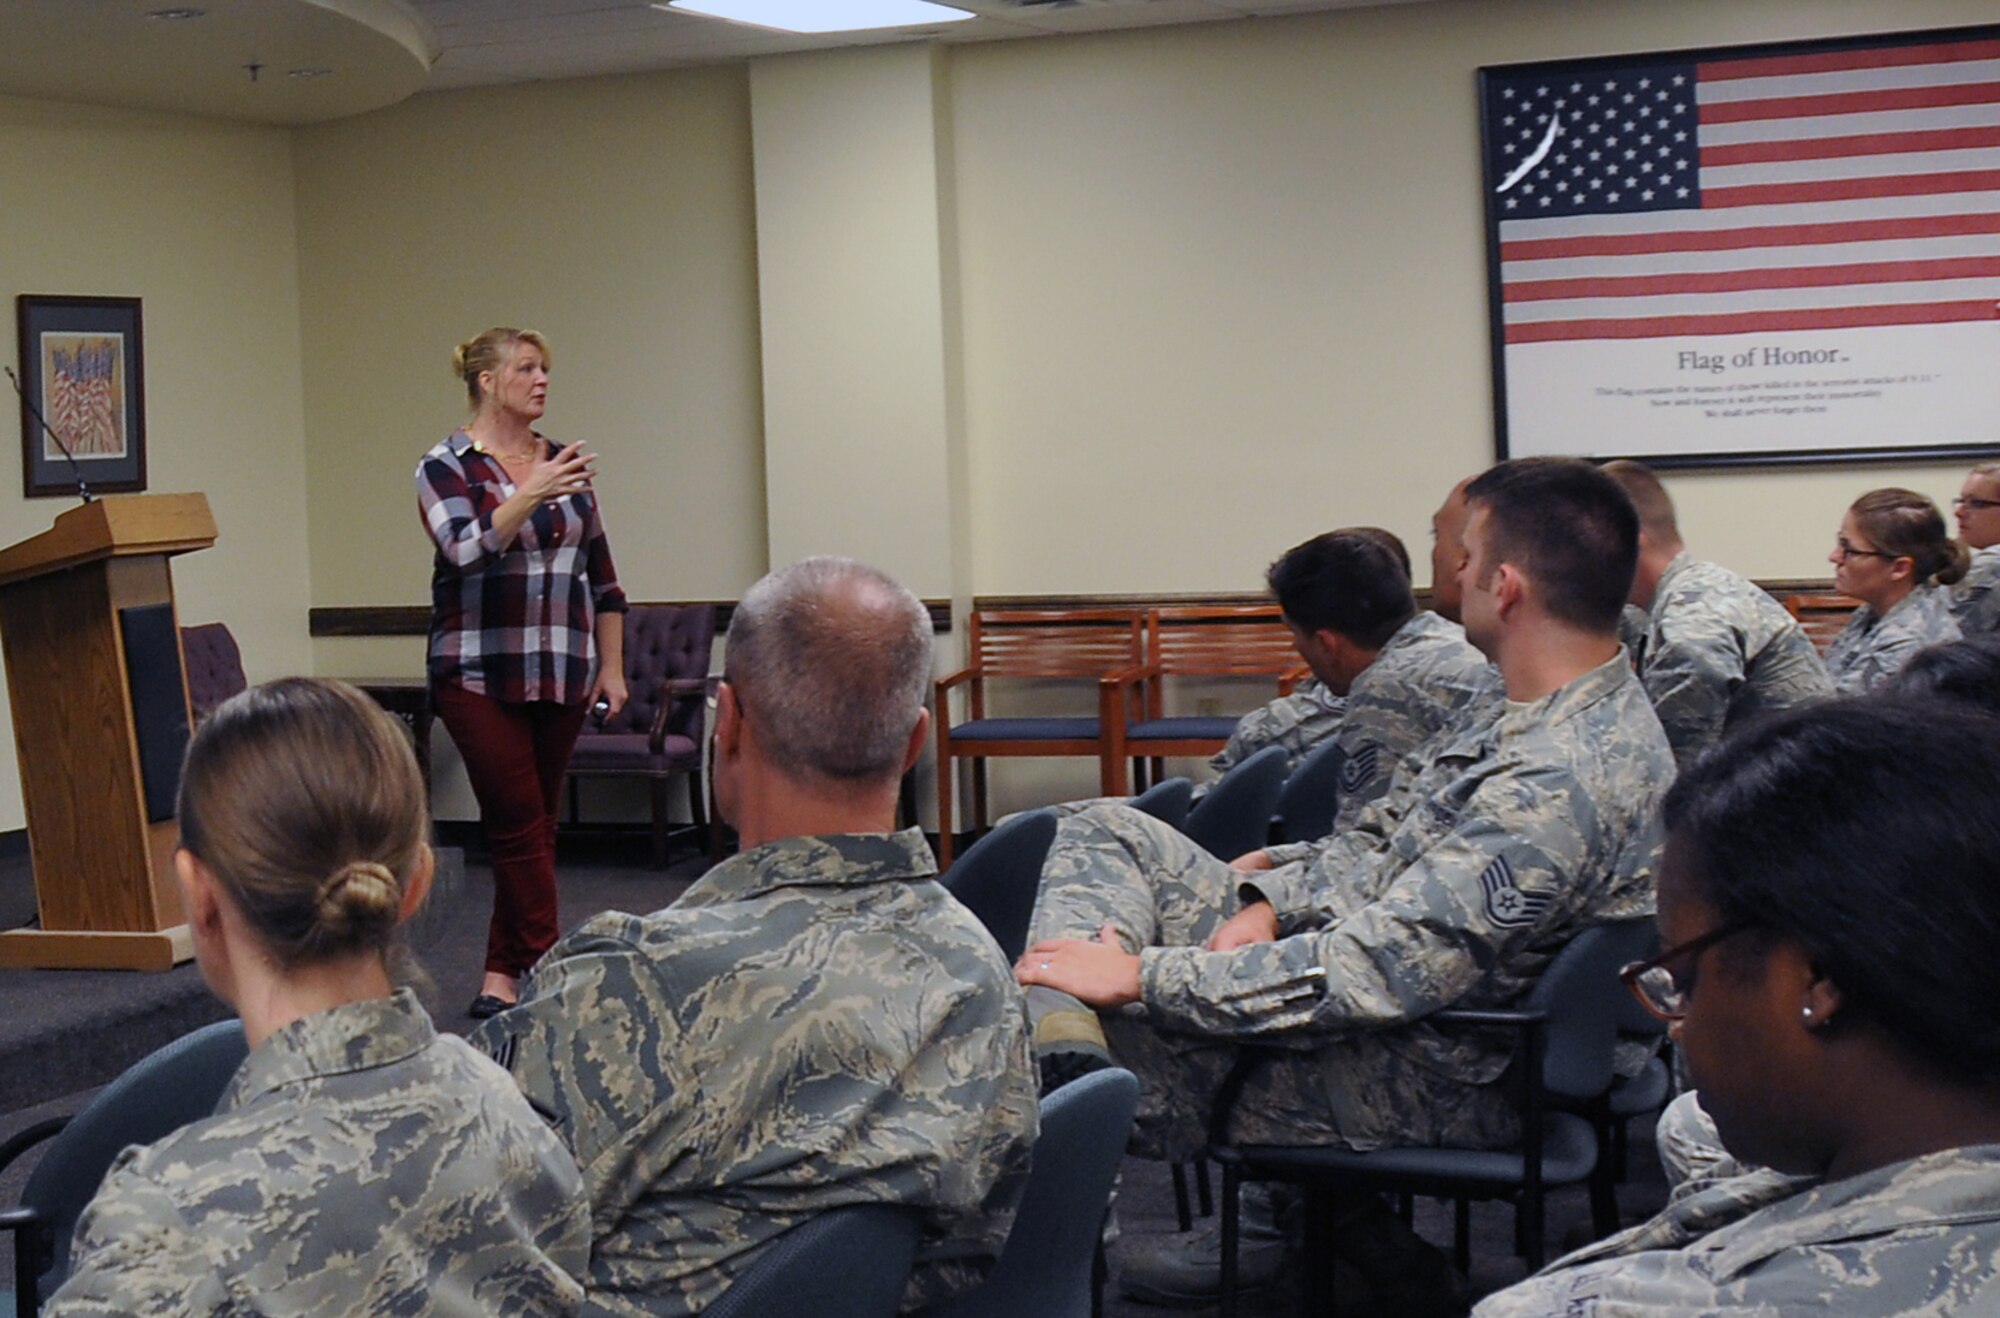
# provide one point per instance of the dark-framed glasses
(1842, 547)
(1977, 505)
(1655, 986)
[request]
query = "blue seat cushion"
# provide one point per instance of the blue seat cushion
(1211, 727)
(1026, 729)
(1569, 1152)
(1644, 1092)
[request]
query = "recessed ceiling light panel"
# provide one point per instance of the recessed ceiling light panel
(822, 15)
(178, 15)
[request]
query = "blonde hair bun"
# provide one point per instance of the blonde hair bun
(359, 901)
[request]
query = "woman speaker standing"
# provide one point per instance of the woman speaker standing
(527, 629)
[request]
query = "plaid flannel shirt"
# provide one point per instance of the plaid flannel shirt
(514, 622)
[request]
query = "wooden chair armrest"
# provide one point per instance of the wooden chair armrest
(680, 690)
(1128, 676)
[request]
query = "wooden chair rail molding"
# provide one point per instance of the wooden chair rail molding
(415, 619)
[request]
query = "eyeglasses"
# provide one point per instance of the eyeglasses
(1655, 986)
(1964, 501)
(1846, 550)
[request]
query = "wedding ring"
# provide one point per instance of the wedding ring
(1045, 965)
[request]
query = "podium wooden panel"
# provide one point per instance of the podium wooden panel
(104, 880)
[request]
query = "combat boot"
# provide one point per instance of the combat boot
(1184, 1271)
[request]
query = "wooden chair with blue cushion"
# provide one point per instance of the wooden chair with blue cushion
(1191, 642)
(1022, 646)
(156, 1096)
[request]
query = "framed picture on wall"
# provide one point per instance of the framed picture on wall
(82, 388)
(1752, 255)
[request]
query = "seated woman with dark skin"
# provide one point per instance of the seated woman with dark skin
(1829, 910)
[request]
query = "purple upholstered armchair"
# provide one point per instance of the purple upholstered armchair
(214, 666)
(658, 733)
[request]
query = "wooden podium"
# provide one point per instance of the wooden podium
(99, 693)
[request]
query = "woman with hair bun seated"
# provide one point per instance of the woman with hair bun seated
(1829, 912)
(359, 1162)
(1893, 555)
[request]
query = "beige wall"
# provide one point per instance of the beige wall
(195, 218)
(613, 215)
(1225, 286)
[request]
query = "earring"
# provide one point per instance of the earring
(1807, 1013)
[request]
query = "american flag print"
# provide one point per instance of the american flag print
(83, 391)
(1749, 251)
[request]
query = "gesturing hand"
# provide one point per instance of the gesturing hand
(564, 473)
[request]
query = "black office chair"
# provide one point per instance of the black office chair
(846, 1263)
(1167, 801)
(1049, 1266)
(156, 1096)
(998, 876)
(1234, 818)
(1310, 797)
(1568, 1029)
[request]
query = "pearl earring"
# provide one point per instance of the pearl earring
(1807, 1012)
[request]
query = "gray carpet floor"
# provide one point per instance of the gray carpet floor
(447, 943)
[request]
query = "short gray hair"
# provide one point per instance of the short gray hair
(832, 658)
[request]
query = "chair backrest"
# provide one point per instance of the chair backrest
(1821, 617)
(1054, 642)
(1308, 799)
(848, 1262)
(663, 642)
(1633, 1020)
(1235, 816)
(1046, 1266)
(1166, 800)
(155, 1097)
(214, 666)
(1243, 640)
(998, 876)
(1580, 993)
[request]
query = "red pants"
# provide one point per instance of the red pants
(515, 755)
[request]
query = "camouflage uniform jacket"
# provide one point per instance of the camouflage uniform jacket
(814, 1023)
(1298, 722)
(359, 1163)
(1418, 683)
(1523, 831)
(1718, 650)
(1921, 1236)
(1975, 600)
(1873, 647)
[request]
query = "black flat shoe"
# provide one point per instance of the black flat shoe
(487, 1005)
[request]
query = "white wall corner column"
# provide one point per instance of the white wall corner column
(864, 413)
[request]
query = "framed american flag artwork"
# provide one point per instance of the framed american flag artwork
(1754, 255)
(82, 386)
